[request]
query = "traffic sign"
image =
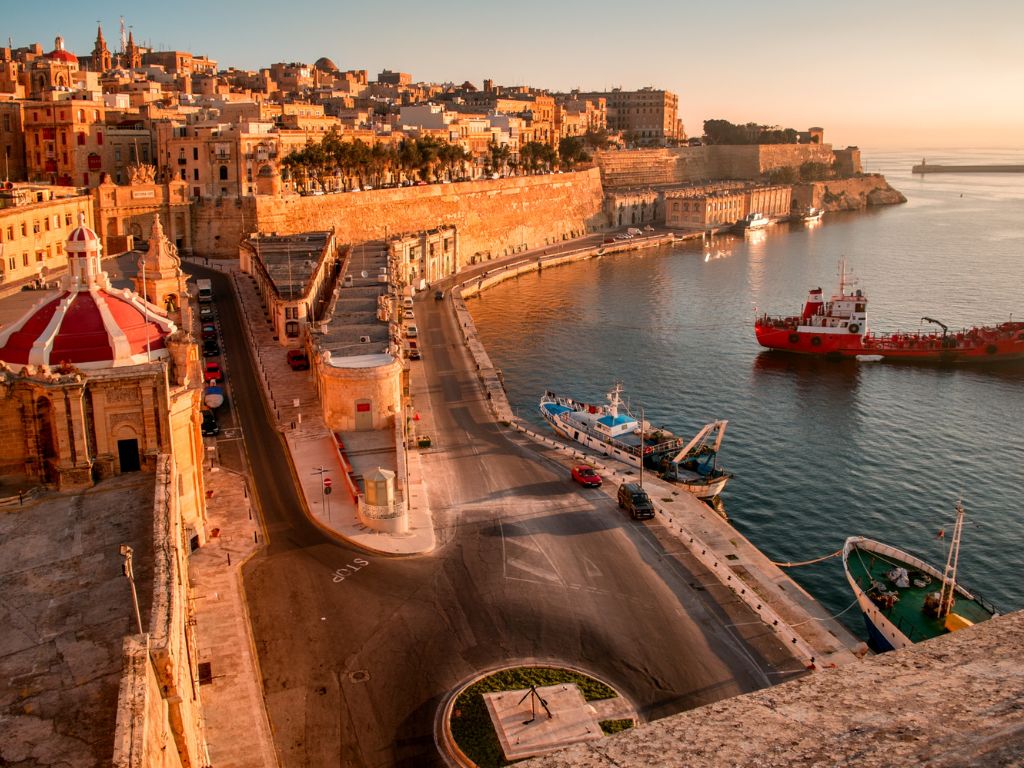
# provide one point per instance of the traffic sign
(328, 482)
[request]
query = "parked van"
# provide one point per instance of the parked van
(205, 290)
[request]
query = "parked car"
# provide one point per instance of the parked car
(635, 500)
(205, 313)
(609, 240)
(209, 331)
(414, 353)
(210, 348)
(209, 427)
(297, 360)
(408, 314)
(212, 372)
(586, 476)
(411, 331)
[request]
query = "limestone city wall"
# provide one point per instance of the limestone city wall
(492, 217)
(681, 165)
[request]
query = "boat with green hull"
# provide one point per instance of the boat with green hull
(905, 600)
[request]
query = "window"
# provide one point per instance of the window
(46, 222)
(35, 227)
(10, 233)
(195, 174)
(67, 219)
(117, 154)
(183, 175)
(40, 255)
(24, 259)
(195, 153)
(223, 173)
(99, 138)
(12, 264)
(81, 139)
(81, 115)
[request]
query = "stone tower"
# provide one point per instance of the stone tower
(160, 279)
(101, 58)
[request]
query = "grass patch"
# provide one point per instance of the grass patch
(471, 723)
(615, 726)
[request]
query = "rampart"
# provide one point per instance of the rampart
(493, 217)
(684, 165)
(951, 701)
(159, 714)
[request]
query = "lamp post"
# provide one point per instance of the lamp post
(321, 471)
(126, 568)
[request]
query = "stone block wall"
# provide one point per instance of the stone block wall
(686, 165)
(341, 387)
(491, 217)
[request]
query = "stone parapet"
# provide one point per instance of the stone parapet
(951, 701)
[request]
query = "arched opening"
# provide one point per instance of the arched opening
(223, 173)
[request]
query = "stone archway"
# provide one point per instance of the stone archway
(129, 454)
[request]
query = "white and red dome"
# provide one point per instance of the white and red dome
(60, 54)
(90, 324)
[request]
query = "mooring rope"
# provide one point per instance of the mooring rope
(809, 562)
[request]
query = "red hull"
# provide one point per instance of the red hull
(982, 345)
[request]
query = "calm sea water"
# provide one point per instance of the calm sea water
(821, 449)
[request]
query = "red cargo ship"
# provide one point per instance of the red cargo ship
(838, 328)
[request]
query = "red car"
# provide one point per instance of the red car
(586, 476)
(209, 331)
(297, 360)
(212, 372)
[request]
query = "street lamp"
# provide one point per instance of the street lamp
(126, 568)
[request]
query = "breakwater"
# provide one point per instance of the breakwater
(925, 168)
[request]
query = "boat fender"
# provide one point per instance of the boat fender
(816, 341)
(794, 338)
(854, 328)
(991, 349)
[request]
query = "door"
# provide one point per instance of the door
(364, 415)
(128, 455)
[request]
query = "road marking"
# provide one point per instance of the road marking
(349, 569)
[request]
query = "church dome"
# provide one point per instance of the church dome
(89, 324)
(59, 54)
(325, 65)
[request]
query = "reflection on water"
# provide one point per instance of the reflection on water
(821, 449)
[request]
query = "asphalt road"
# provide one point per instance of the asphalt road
(358, 650)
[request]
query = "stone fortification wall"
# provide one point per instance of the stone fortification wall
(218, 226)
(159, 710)
(684, 165)
(952, 701)
(847, 194)
(492, 217)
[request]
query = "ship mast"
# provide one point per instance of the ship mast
(948, 593)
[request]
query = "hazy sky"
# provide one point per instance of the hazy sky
(896, 74)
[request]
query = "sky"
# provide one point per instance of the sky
(901, 74)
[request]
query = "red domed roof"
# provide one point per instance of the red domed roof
(89, 329)
(61, 55)
(90, 324)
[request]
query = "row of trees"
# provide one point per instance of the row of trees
(335, 162)
(357, 163)
(724, 132)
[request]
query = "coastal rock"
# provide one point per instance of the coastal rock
(852, 194)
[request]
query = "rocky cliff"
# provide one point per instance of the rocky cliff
(853, 194)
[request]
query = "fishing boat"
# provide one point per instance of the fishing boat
(611, 429)
(808, 215)
(838, 328)
(905, 600)
(752, 221)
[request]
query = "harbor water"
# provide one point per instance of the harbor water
(821, 449)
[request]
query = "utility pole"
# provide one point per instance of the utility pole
(127, 551)
(321, 471)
